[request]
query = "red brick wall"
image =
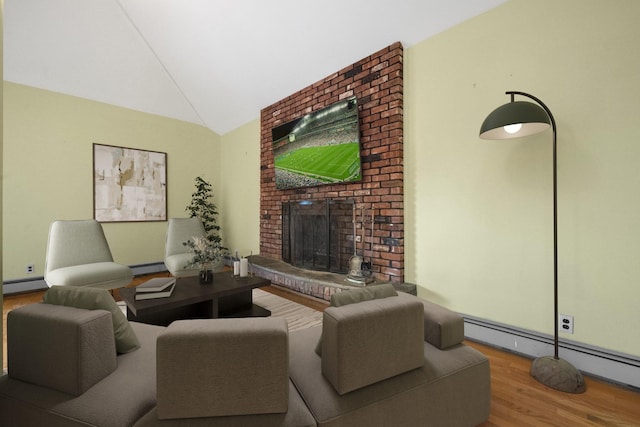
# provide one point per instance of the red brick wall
(378, 84)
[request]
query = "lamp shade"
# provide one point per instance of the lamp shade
(532, 117)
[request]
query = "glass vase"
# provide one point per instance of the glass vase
(206, 274)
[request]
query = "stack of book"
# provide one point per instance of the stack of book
(158, 287)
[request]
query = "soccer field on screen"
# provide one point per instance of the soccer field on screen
(327, 163)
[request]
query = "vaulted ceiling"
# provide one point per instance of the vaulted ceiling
(216, 63)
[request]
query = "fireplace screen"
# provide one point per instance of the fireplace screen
(318, 235)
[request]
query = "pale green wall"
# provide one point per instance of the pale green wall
(479, 213)
(47, 161)
(240, 202)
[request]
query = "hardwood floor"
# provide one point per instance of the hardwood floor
(516, 398)
(519, 400)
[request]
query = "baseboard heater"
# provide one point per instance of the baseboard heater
(37, 283)
(620, 368)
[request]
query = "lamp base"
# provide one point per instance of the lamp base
(558, 374)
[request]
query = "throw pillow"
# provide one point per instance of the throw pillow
(96, 299)
(353, 296)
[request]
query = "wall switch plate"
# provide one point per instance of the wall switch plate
(565, 323)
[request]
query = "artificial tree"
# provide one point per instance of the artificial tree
(202, 206)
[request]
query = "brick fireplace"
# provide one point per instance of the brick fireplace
(377, 82)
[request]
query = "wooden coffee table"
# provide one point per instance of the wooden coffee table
(227, 296)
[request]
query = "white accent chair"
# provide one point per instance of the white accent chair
(78, 255)
(176, 254)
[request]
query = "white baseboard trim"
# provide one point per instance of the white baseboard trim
(37, 283)
(611, 366)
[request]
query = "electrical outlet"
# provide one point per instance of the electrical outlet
(30, 268)
(566, 323)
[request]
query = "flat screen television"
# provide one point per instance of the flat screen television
(322, 147)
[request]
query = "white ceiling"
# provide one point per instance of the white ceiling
(212, 62)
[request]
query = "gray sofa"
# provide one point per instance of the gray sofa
(384, 362)
(372, 374)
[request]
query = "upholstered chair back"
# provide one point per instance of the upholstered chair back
(176, 254)
(78, 255)
(179, 231)
(76, 242)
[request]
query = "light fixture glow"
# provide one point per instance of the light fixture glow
(514, 128)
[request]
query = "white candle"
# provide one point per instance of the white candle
(244, 267)
(236, 268)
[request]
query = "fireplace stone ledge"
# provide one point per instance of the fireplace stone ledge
(318, 284)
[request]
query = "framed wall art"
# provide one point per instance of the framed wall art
(129, 184)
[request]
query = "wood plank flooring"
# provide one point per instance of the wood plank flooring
(516, 398)
(519, 400)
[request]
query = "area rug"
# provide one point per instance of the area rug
(298, 316)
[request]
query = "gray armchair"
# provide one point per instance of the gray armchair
(176, 254)
(78, 255)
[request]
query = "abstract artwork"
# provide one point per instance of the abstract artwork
(129, 184)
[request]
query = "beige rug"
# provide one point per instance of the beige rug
(298, 316)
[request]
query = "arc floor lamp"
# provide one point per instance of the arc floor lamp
(513, 120)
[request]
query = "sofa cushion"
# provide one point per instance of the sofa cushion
(96, 299)
(367, 293)
(66, 349)
(443, 328)
(371, 341)
(223, 367)
(297, 415)
(105, 275)
(353, 296)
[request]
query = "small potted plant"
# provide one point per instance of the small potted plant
(205, 255)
